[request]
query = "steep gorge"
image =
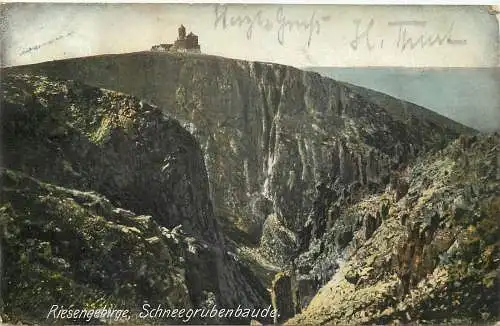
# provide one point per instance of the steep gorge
(302, 170)
(272, 135)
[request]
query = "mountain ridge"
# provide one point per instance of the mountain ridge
(46, 65)
(452, 92)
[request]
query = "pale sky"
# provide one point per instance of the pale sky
(298, 35)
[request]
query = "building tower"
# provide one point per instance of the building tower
(182, 32)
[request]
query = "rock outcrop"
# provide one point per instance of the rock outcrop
(282, 297)
(106, 197)
(434, 255)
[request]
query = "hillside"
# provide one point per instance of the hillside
(431, 254)
(269, 168)
(105, 202)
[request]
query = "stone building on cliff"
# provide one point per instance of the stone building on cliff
(184, 43)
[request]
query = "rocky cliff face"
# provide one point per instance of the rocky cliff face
(429, 255)
(106, 198)
(274, 137)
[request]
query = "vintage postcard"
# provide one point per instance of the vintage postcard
(298, 164)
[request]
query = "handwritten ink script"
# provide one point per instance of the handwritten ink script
(279, 23)
(408, 35)
(38, 46)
